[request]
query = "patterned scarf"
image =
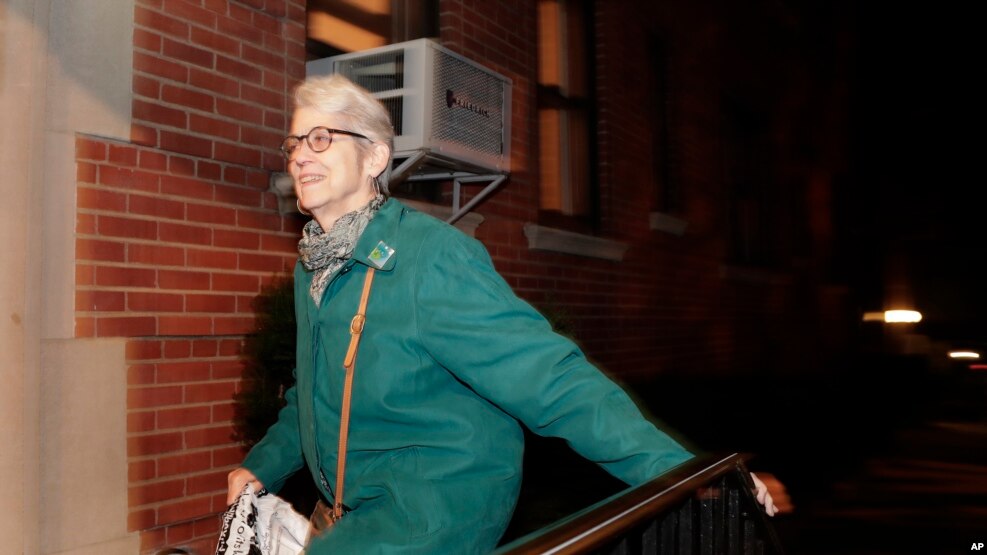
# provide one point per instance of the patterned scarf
(324, 253)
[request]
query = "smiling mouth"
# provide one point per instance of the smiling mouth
(311, 179)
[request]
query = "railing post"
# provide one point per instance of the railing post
(733, 522)
(706, 539)
(668, 527)
(686, 521)
(649, 538)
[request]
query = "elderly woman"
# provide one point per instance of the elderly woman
(450, 361)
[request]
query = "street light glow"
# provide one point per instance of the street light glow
(964, 354)
(902, 316)
(894, 316)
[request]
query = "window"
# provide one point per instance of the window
(339, 26)
(668, 193)
(565, 108)
(747, 163)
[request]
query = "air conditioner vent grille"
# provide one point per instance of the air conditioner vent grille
(376, 73)
(467, 105)
(395, 107)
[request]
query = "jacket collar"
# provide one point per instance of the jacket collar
(374, 248)
(376, 237)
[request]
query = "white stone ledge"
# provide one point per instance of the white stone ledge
(568, 242)
(467, 224)
(660, 221)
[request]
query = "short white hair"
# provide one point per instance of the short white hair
(364, 114)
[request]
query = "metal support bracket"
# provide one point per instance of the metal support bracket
(458, 180)
(410, 162)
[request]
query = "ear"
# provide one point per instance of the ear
(378, 159)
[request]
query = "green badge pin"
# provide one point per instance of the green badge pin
(381, 254)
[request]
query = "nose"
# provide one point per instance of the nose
(303, 157)
(303, 153)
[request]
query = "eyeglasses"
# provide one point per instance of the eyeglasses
(319, 139)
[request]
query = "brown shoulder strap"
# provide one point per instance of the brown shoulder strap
(349, 363)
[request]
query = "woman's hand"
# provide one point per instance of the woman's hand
(763, 496)
(236, 480)
(772, 495)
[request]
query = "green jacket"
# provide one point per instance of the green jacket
(450, 362)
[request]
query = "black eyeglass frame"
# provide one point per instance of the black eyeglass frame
(308, 141)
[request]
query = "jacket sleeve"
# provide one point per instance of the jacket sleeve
(473, 324)
(279, 455)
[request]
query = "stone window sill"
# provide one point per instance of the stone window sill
(467, 224)
(666, 223)
(568, 242)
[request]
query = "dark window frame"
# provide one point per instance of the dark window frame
(553, 97)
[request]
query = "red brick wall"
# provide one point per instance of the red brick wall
(676, 307)
(176, 234)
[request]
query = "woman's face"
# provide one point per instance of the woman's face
(335, 181)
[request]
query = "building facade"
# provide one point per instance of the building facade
(667, 204)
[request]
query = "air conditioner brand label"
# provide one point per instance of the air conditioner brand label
(459, 102)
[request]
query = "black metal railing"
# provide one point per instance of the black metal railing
(704, 507)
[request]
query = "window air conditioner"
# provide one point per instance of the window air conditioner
(448, 111)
